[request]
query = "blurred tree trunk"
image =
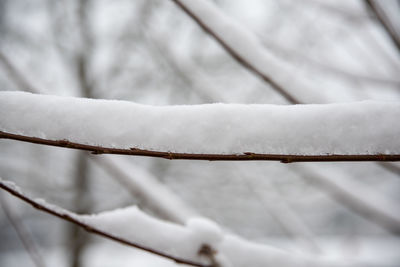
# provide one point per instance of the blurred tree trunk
(79, 239)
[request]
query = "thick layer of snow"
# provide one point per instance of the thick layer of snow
(367, 127)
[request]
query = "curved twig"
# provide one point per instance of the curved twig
(91, 229)
(245, 156)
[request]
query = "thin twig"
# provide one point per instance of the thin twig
(245, 156)
(68, 217)
(25, 237)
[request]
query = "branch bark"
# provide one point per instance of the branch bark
(245, 156)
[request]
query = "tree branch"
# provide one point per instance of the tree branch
(245, 156)
(62, 214)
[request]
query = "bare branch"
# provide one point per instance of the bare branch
(23, 234)
(245, 156)
(68, 217)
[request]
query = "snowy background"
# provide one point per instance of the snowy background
(151, 52)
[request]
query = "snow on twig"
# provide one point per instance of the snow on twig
(198, 238)
(76, 219)
(359, 131)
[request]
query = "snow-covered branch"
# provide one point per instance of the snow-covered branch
(85, 222)
(132, 227)
(360, 131)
